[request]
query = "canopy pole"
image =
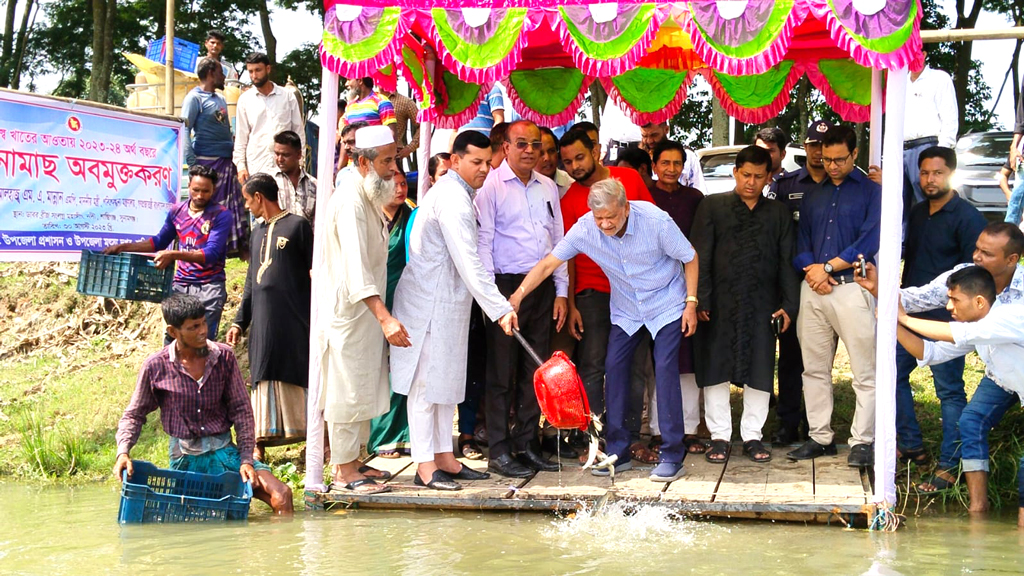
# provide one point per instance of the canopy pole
(423, 154)
(325, 186)
(169, 60)
(875, 151)
(890, 241)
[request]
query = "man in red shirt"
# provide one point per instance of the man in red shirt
(589, 317)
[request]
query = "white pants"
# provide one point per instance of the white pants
(691, 406)
(430, 425)
(718, 412)
(346, 438)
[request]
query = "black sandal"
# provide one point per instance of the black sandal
(756, 451)
(919, 456)
(380, 474)
(718, 448)
(941, 481)
(694, 445)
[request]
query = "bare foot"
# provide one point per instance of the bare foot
(1020, 518)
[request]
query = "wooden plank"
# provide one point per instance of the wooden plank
(789, 481)
(699, 483)
(636, 484)
(836, 482)
(393, 465)
(743, 480)
(571, 483)
(496, 486)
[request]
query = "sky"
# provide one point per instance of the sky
(294, 28)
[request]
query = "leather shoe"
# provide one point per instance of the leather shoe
(532, 459)
(440, 480)
(785, 436)
(467, 473)
(506, 465)
(861, 456)
(551, 445)
(811, 449)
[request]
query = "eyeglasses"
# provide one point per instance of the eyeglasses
(523, 144)
(837, 161)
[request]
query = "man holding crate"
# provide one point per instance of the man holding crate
(199, 390)
(202, 228)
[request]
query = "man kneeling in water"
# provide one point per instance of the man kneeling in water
(999, 339)
(199, 390)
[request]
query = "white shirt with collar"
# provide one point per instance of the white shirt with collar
(563, 181)
(935, 294)
(999, 340)
(258, 119)
(520, 224)
(931, 108)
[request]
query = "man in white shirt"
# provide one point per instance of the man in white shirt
(548, 164)
(262, 112)
(930, 118)
(999, 340)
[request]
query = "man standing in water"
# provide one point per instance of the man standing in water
(199, 391)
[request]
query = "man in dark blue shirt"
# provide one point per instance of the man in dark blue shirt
(838, 221)
(790, 188)
(941, 233)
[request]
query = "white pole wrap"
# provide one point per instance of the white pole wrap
(325, 186)
(891, 240)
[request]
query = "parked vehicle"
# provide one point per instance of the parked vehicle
(718, 162)
(979, 158)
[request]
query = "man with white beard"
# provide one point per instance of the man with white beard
(355, 327)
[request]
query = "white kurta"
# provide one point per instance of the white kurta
(352, 347)
(436, 291)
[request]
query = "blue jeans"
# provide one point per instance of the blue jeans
(949, 388)
(618, 367)
(985, 410)
(1015, 206)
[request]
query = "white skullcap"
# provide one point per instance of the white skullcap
(374, 136)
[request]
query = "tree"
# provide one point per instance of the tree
(104, 13)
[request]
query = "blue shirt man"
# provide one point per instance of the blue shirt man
(639, 248)
(839, 220)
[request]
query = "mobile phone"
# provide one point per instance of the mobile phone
(862, 267)
(777, 325)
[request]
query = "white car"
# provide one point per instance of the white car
(717, 164)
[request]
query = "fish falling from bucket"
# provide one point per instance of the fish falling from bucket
(563, 402)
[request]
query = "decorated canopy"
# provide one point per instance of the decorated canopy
(751, 52)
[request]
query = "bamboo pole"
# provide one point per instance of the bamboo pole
(969, 34)
(169, 61)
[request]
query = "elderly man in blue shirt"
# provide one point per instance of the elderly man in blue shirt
(639, 248)
(838, 221)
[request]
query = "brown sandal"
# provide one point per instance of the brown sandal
(641, 453)
(694, 445)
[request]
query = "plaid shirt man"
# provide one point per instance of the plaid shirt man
(191, 409)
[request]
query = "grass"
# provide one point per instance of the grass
(60, 405)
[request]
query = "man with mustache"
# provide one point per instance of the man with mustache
(262, 112)
(355, 327)
(520, 222)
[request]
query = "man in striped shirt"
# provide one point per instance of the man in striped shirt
(639, 248)
(365, 105)
(199, 390)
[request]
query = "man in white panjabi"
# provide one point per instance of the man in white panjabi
(434, 301)
(354, 327)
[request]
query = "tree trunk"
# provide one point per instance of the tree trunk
(719, 124)
(21, 40)
(803, 94)
(598, 100)
(961, 78)
(6, 62)
(108, 49)
(97, 93)
(268, 33)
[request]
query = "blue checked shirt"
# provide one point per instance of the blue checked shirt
(643, 267)
(935, 294)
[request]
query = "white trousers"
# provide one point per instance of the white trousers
(346, 438)
(718, 412)
(430, 425)
(691, 406)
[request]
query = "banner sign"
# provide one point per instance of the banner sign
(74, 177)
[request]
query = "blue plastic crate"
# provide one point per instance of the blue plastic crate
(154, 494)
(123, 276)
(186, 53)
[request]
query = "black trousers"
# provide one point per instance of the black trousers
(476, 372)
(788, 410)
(510, 369)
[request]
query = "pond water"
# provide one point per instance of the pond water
(55, 530)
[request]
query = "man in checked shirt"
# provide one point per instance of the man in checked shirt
(198, 388)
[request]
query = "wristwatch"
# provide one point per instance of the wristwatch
(828, 268)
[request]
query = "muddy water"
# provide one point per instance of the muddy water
(57, 531)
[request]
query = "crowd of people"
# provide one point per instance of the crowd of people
(666, 298)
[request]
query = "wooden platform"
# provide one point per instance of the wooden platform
(824, 490)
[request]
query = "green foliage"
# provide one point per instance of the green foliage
(692, 124)
(52, 452)
(303, 66)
